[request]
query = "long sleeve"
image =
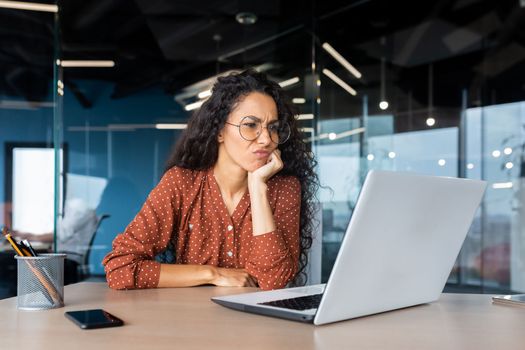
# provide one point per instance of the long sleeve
(131, 263)
(274, 256)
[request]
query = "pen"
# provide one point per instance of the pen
(49, 290)
(24, 249)
(26, 243)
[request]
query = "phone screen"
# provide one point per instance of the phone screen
(97, 318)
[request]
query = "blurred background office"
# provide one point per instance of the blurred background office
(94, 93)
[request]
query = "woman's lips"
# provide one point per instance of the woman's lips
(261, 154)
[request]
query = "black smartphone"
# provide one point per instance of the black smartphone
(90, 319)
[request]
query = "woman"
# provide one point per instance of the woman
(234, 207)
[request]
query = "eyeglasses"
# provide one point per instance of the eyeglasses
(251, 127)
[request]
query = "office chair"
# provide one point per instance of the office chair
(90, 245)
(77, 264)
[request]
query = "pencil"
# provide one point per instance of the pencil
(49, 290)
(12, 242)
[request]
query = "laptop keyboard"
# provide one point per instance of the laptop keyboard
(299, 303)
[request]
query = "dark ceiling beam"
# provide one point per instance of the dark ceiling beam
(224, 56)
(87, 13)
(513, 24)
(79, 95)
(343, 9)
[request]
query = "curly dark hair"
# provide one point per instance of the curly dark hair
(198, 148)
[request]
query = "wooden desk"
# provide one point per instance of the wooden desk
(185, 318)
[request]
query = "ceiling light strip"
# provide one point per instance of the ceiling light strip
(311, 130)
(289, 82)
(204, 94)
(173, 126)
(304, 117)
(129, 127)
(328, 48)
(502, 185)
(86, 63)
(339, 82)
(31, 6)
(349, 133)
(194, 105)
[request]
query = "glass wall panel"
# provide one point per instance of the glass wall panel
(437, 90)
(494, 152)
(27, 167)
(116, 153)
(120, 122)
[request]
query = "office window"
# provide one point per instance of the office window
(33, 190)
(445, 82)
(27, 107)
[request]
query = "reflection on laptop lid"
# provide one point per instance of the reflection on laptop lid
(399, 248)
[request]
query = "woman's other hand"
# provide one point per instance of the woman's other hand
(225, 277)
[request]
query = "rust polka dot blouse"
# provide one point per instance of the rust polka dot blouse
(185, 213)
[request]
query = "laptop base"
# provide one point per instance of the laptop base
(280, 313)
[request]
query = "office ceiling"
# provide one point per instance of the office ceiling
(477, 44)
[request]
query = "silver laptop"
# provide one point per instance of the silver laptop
(399, 248)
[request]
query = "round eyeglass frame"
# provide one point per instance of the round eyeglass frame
(238, 126)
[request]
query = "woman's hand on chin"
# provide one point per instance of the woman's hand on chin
(264, 173)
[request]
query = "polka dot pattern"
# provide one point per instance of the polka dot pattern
(186, 212)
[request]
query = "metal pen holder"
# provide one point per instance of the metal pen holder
(40, 282)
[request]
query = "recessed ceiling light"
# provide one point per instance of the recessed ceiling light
(246, 18)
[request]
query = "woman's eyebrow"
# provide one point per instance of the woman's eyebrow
(259, 119)
(251, 116)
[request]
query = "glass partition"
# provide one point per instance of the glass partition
(120, 120)
(27, 157)
(436, 89)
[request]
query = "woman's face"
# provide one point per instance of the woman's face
(249, 155)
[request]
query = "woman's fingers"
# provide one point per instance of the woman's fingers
(276, 158)
(251, 281)
(272, 167)
(234, 278)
